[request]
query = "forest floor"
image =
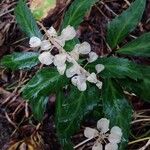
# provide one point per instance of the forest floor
(15, 114)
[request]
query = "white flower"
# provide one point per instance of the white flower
(92, 57)
(90, 132)
(52, 32)
(84, 48)
(111, 146)
(99, 84)
(60, 59)
(97, 146)
(99, 68)
(68, 33)
(35, 42)
(116, 130)
(114, 138)
(45, 45)
(80, 82)
(72, 71)
(61, 69)
(60, 41)
(92, 78)
(103, 125)
(46, 58)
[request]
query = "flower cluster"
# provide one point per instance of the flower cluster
(78, 75)
(102, 133)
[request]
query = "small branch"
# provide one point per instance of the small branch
(139, 140)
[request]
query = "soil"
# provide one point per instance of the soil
(15, 122)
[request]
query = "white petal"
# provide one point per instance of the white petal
(103, 125)
(72, 71)
(46, 58)
(114, 138)
(92, 78)
(82, 86)
(61, 69)
(99, 84)
(92, 57)
(35, 42)
(68, 33)
(90, 132)
(60, 59)
(116, 130)
(111, 146)
(84, 48)
(60, 41)
(99, 68)
(52, 32)
(97, 146)
(74, 80)
(45, 45)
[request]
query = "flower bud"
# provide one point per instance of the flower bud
(92, 78)
(46, 58)
(35, 42)
(99, 68)
(92, 57)
(45, 45)
(84, 48)
(61, 69)
(68, 33)
(60, 59)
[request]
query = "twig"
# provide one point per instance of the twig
(146, 145)
(139, 140)
(140, 120)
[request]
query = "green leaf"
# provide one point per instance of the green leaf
(71, 109)
(138, 47)
(140, 87)
(26, 20)
(37, 90)
(76, 12)
(117, 109)
(117, 68)
(122, 25)
(20, 60)
(46, 81)
(38, 106)
(69, 46)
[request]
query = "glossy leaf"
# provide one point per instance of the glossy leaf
(20, 60)
(122, 25)
(38, 106)
(46, 80)
(117, 68)
(117, 109)
(138, 47)
(71, 109)
(76, 12)
(26, 20)
(140, 87)
(38, 89)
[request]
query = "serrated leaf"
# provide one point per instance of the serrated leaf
(20, 60)
(122, 25)
(117, 68)
(117, 109)
(138, 47)
(76, 12)
(37, 90)
(26, 20)
(40, 8)
(71, 109)
(45, 81)
(140, 87)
